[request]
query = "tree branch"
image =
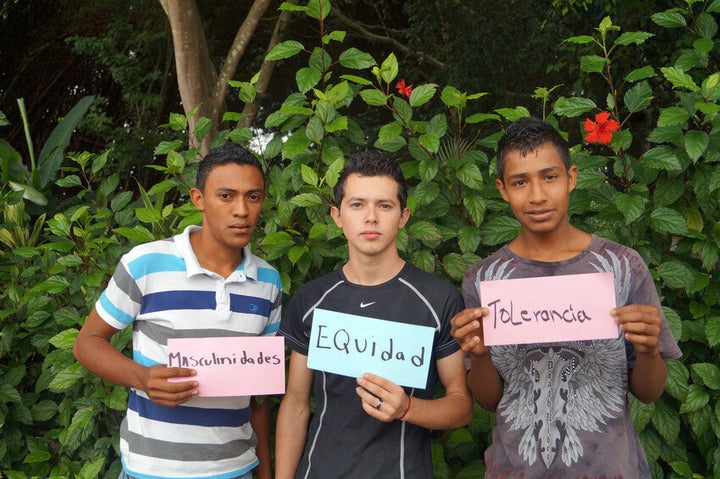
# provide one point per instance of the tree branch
(239, 45)
(362, 29)
(266, 69)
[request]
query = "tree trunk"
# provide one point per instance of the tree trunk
(198, 81)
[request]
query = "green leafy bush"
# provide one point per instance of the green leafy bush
(654, 187)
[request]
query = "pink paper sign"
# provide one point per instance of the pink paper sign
(237, 366)
(549, 309)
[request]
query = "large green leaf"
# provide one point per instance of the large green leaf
(500, 229)
(666, 421)
(667, 220)
(53, 150)
(676, 274)
(356, 59)
(679, 78)
(669, 19)
(709, 373)
(629, 38)
(284, 50)
(673, 116)
(572, 107)
(712, 330)
(631, 206)
(661, 158)
(696, 142)
(424, 231)
(697, 397)
(638, 97)
(422, 94)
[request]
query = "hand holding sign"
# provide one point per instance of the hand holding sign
(466, 328)
(549, 309)
(169, 386)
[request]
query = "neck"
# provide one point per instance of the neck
(372, 271)
(556, 246)
(222, 261)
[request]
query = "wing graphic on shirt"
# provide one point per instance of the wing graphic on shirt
(620, 269)
(554, 391)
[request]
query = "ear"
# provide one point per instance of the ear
(404, 217)
(572, 177)
(335, 213)
(500, 185)
(196, 197)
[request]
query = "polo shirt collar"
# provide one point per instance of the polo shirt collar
(247, 267)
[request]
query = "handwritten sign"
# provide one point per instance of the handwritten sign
(351, 345)
(236, 366)
(549, 309)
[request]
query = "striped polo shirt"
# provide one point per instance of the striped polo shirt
(162, 291)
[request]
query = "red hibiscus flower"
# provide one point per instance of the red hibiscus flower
(600, 130)
(402, 89)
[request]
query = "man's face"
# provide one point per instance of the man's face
(370, 215)
(231, 204)
(538, 187)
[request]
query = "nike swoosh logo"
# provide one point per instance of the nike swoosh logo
(365, 305)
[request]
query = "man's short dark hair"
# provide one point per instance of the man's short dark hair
(371, 163)
(222, 155)
(527, 135)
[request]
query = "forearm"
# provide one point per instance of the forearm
(260, 421)
(452, 411)
(485, 382)
(647, 378)
(291, 432)
(102, 359)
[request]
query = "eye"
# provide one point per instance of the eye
(225, 196)
(518, 183)
(255, 198)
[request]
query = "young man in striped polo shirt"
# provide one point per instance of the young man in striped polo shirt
(204, 282)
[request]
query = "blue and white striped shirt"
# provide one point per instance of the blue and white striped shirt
(161, 289)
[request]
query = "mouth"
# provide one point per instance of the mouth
(241, 228)
(539, 215)
(370, 234)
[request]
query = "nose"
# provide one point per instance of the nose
(371, 216)
(240, 208)
(537, 193)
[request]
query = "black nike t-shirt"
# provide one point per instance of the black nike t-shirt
(343, 440)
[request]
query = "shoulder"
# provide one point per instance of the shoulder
(148, 252)
(318, 286)
(616, 252)
(427, 282)
(266, 272)
(498, 257)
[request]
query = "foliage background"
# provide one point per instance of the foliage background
(90, 196)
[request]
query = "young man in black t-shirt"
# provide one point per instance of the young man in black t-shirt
(369, 426)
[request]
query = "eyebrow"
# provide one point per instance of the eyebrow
(525, 174)
(227, 189)
(360, 198)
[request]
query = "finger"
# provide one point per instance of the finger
(174, 398)
(469, 315)
(178, 372)
(383, 383)
(371, 384)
